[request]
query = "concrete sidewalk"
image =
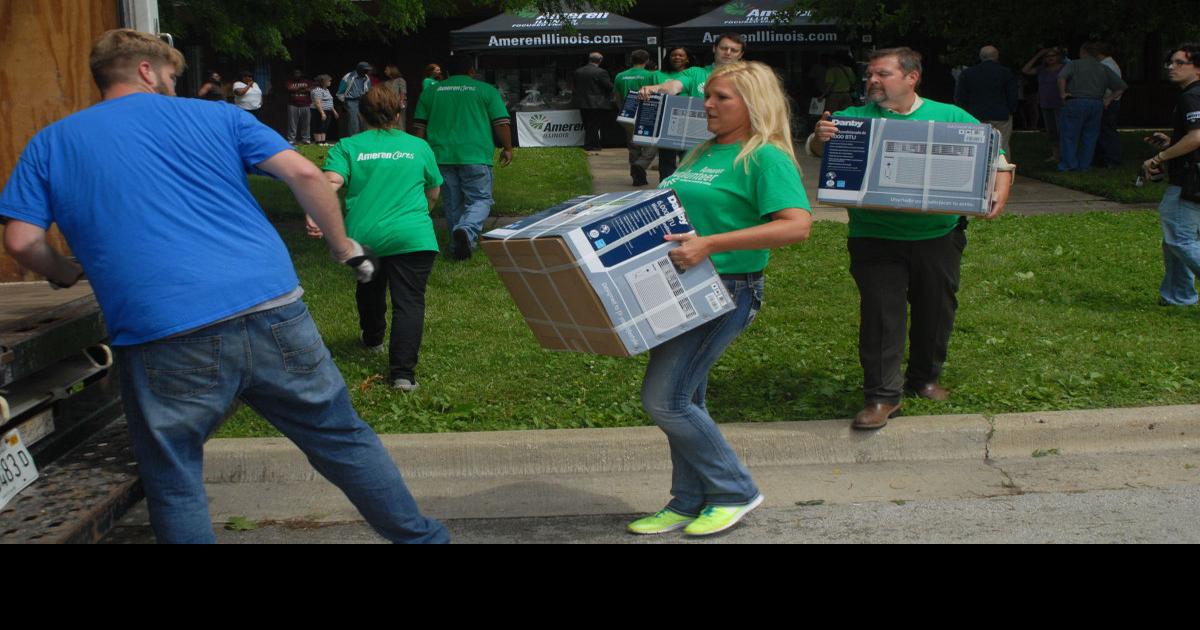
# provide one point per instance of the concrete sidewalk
(627, 471)
(610, 173)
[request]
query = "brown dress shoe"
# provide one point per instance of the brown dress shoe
(875, 416)
(931, 391)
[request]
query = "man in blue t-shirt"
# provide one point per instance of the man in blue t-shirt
(198, 290)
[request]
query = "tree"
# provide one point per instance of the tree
(252, 29)
(1015, 25)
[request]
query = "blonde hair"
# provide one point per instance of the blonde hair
(768, 106)
(116, 55)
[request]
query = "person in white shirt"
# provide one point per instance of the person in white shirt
(247, 95)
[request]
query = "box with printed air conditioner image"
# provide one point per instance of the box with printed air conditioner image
(592, 274)
(910, 166)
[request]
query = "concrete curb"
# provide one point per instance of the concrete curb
(643, 449)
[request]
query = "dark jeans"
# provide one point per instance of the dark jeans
(891, 275)
(668, 161)
(593, 122)
(1108, 148)
(405, 276)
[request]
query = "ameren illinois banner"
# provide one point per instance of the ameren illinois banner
(554, 128)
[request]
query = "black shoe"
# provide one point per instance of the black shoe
(461, 248)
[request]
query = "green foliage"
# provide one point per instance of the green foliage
(1014, 25)
(241, 524)
(255, 29)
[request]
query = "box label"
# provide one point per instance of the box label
(845, 162)
(625, 230)
(629, 110)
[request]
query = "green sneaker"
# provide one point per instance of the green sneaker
(661, 522)
(718, 518)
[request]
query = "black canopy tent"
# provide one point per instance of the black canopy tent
(756, 21)
(531, 56)
(533, 33)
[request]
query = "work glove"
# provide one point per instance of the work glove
(363, 261)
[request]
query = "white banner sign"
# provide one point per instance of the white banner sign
(552, 128)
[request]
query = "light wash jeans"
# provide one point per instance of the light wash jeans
(467, 197)
(177, 391)
(705, 470)
(1181, 248)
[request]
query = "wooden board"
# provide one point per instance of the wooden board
(44, 76)
(24, 300)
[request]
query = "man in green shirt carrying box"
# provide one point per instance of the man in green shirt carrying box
(628, 81)
(900, 259)
(458, 117)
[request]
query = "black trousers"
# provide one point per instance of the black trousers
(593, 121)
(891, 276)
(405, 277)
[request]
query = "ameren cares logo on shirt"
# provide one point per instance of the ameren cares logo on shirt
(398, 155)
(705, 176)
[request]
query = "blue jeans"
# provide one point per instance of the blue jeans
(1079, 129)
(178, 390)
(467, 197)
(705, 470)
(1181, 247)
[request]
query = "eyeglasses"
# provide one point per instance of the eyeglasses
(1176, 63)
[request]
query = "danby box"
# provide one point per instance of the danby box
(910, 166)
(592, 274)
(671, 122)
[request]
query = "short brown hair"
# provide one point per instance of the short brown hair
(117, 53)
(380, 108)
(909, 59)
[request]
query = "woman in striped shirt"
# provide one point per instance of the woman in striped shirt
(322, 105)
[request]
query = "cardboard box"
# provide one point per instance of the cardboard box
(910, 166)
(671, 122)
(592, 274)
(629, 110)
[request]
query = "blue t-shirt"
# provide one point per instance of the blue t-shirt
(151, 194)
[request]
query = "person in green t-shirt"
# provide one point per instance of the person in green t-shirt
(900, 259)
(460, 116)
(743, 194)
(687, 80)
(433, 74)
(840, 83)
(632, 80)
(392, 181)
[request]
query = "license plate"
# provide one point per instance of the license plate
(17, 469)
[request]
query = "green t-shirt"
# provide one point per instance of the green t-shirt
(458, 115)
(387, 173)
(630, 80)
(904, 226)
(700, 76)
(691, 87)
(428, 83)
(721, 197)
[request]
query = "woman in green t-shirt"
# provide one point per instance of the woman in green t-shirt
(743, 194)
(391, 180)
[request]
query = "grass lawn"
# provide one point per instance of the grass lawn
(1030, 151)
(1057, 312)
(536, 180)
